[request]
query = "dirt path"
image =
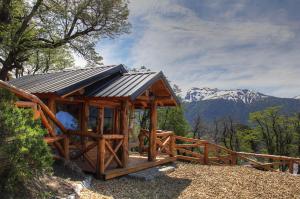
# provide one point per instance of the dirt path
(199, 181)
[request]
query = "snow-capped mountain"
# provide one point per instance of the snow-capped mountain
(297, 97)
(239, 95)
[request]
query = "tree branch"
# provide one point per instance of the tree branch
(26, 20)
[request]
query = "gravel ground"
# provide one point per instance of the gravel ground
(200, 181)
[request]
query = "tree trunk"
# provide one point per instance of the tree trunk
(4, 73)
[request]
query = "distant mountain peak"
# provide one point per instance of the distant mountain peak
(297, 97)
(238, 95)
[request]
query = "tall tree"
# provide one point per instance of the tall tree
(276, 130)
(27, 26)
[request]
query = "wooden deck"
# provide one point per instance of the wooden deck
(136, 163)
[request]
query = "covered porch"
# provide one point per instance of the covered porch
(91, 116)
(106, 141)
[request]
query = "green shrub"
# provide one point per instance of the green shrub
(23, 153)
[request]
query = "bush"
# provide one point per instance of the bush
(23, 153)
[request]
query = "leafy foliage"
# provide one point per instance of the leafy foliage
(28, 27)
(172, 119)
(23, 153)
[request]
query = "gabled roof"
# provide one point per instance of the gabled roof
(128, 85)
(66, 81)
(99, 82)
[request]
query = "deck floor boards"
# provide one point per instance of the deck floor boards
(136, 163)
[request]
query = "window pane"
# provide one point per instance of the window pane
(68, 115)
(93, 118)
(108, 120)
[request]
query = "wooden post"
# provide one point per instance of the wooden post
(66, 147)
(205, 161)
(233, 158)
(84, 117)
(52, 107)
(124, 130)
(152, 136)
(100, 120)
(101, 157)
(172, 145)
(291, 166)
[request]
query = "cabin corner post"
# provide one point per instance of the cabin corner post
(153, 128)
(52, 106)
(125, 132)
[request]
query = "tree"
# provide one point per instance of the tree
(276, 130)
(26, 27)
(44, 60)
(198, 127)
(23, 153)
(172, 118)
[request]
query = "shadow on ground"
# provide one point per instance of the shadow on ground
(161, 187)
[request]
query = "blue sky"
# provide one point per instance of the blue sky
(224, 44)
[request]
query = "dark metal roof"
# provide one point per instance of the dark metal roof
(128, 85)
(66, 81)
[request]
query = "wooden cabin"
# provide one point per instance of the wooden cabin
(102, 101)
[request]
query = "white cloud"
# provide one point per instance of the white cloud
(217, 53)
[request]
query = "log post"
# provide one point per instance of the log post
(233, 158)
(172, 145)
(52, 107)
(153, 128)
(66, 147)
(101, 157)
(84, 117)
(124, 130)
(205, 161)
(100, 120)
(291, 166)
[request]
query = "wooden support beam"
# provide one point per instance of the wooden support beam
(124, 130)
(67, 147)
(84, 122)
(100, 120)
(100, 158)
(153, 128)
(52, 107)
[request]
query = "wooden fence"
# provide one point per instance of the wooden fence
(205, 152)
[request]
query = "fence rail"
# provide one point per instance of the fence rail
(205, 152)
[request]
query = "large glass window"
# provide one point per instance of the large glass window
(93, 118)
(108, 120)
(68, 115)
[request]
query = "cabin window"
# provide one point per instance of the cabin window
(68, 115)
(93, 118)
(108, 120)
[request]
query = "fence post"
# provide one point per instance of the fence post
(205, 161)
(233, 158)
(291, 166)
(172, 145)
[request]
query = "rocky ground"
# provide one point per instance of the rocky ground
(199, 181)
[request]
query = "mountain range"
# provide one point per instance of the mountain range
(215, 103)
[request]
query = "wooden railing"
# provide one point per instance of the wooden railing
(205, 152)
(109, 148)
(165, 142)
(40, 110)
